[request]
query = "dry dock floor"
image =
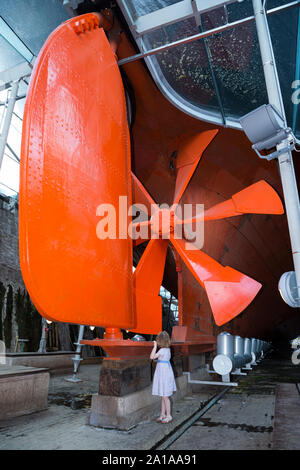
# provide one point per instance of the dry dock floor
(243, 419)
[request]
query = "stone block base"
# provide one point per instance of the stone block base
(23, 390)
(125, 412)
(57, 362)
(119, 377)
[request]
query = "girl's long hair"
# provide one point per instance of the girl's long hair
(163, 340)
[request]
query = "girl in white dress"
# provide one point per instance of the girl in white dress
(163, 381)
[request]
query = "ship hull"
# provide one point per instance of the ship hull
(254, 244)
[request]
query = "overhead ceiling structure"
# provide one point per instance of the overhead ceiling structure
(204, 55)
(216, 78)
(24, 27)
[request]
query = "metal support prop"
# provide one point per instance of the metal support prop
(7, 119)
(43, 340)
(225, 381)
(77, 358)
(285, 160)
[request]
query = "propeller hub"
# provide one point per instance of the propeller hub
(162, 223)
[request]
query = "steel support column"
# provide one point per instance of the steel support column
(285, 160)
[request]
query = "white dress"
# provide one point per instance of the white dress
(163, 381)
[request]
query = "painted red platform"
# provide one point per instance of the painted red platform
(130, 348)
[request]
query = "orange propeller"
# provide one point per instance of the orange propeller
(229, 291)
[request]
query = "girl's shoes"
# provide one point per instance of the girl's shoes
(160, 418)
(166, 419)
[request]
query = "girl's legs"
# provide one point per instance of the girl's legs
(163, 407)
(163, 410)
(167, 404)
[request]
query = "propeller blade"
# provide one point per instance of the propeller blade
(140, 194)
(189, 155)
(259, 198)
(150, 270)
(147, 280)
(143, 229)
(229, 291)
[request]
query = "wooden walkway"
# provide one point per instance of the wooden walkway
(286, 434)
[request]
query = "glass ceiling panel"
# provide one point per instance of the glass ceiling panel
(286, 53)
(9, 57)
(142, 7)
(33, 20)
(222, 75)
(236, 61)
(186, 69)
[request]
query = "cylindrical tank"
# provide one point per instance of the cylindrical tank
(259, 348)
(225, 344)
(253, 350)
(239, 360)
(247, 350)
(223, 362)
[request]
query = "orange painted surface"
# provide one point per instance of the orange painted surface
(257, 245)
(117, 349)
(229, 291)
(75, 156)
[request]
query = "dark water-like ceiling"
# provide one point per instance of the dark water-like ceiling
(220, 78)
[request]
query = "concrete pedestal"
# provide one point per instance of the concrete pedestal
(119, 377)
(23, 390)
(54, 361)
(125, 412)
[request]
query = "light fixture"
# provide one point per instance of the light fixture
(49, 322)
(265, 128)
(288, 289)
(92, 328)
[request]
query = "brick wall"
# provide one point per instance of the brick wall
(10, 274)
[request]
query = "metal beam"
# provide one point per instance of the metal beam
(14, 73)
(12, 152)
(285, 160)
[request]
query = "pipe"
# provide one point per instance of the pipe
(285, 160)
(77, 358)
